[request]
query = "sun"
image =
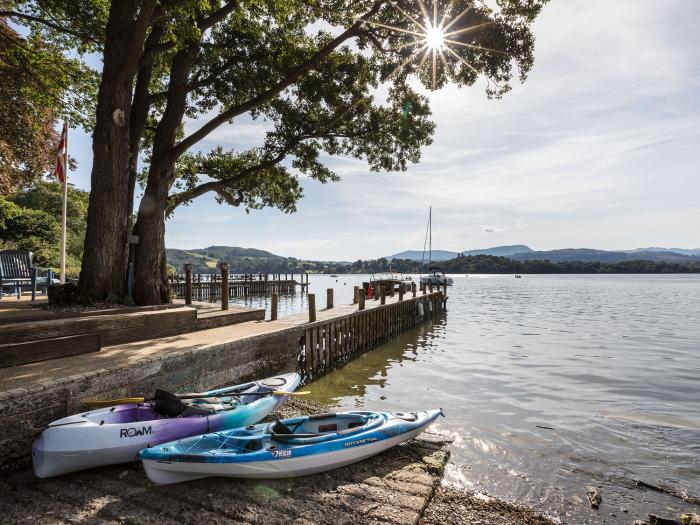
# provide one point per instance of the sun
(435, 38)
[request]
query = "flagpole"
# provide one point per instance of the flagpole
(65, 207)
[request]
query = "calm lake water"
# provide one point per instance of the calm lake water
(608, 365)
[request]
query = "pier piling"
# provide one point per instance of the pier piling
(329, 298)
(223, 266)
(312, 307)
(188, 284)
(274, 300)
(361, 298)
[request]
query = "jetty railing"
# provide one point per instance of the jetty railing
(327, 344)
(208, 286)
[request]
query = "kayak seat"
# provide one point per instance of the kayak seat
(167, 404)
(280, 428)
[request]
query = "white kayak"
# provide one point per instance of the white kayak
(112, 435)
(287, 448)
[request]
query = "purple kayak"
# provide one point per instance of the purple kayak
(112, 435)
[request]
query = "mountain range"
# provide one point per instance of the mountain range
(252, 260)
(521, 252)
(444, 255)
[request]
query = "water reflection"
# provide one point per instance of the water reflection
(371, 370)
(552, 383)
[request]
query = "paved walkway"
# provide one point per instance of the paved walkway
(33, 374)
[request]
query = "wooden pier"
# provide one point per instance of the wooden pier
(209, 286)
(330, 342)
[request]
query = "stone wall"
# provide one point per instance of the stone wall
(24, 413)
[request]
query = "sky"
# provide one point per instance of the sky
(597, 149)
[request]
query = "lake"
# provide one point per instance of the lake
(549, 383)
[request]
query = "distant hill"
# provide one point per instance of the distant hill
(444, 255)
(683, 251)
(500, 251)
(591, 255)
(241, 260)
(417, 255)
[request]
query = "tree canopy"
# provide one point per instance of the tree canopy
(31, 220)
(324, 77)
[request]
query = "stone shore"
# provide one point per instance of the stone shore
(400, 486)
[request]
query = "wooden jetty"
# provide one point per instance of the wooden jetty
(208, 286)
(335, 339)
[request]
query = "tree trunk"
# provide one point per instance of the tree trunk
(150, 265)
(150, 273)
(104, 263)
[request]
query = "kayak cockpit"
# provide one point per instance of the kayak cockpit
(323, 427)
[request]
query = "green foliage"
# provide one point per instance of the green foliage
(31, 220)
(493, 264)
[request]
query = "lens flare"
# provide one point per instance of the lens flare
(435, 38)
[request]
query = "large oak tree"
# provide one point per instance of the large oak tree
(345, 89)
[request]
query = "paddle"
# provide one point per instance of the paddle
(97, 403)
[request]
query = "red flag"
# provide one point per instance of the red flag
(60, 171)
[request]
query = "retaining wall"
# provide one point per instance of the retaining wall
(24, 413)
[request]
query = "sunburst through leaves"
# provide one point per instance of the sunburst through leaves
(436, 32)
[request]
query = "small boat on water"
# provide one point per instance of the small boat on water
(287, 448)
(518, 276)
(115, 434)
(438, 277)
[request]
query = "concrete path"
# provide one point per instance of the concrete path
(32, 375)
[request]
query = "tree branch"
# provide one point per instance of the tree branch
(52, 25)
(138, 37)
(218, 185)
(219, 15)
(292, 76)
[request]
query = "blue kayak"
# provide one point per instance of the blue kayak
(286, 448)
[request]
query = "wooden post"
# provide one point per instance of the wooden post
(273, 306)
(329, 298)
(188, 283)
(413, 289)
(401, 292)
(383, 294)
(223, 266)
(430, 286)
(361, 298)
(312, 307)
(355, 292)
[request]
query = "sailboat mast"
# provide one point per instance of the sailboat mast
(430, 242)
